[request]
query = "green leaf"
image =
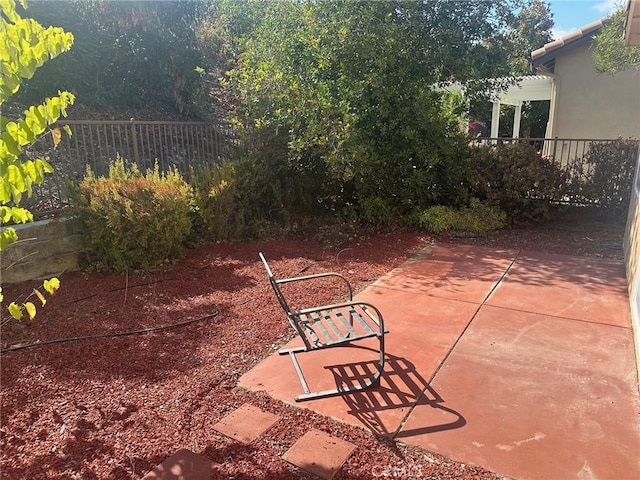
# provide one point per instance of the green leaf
(7, 235)
(15, 310)
(20, 215)
(53, 109)
(5, 214)
(16, 179)
(5, 189)
(8, 143)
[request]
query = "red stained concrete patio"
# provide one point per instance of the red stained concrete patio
(519, 362)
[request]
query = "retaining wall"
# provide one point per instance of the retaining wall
(44, 249)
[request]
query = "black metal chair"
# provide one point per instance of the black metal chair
(330, 326)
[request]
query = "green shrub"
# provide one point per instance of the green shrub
(518, 179)
(611, 181)
(438, 219)
(239, 200)
(133, 221)
(376, 211)
(264, 192)
(409, 154)
(218, 203)
(479, 217)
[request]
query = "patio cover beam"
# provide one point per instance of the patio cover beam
(530, 88)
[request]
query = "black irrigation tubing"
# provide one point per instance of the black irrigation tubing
(109, 335)
(304, 269)
(76, 300)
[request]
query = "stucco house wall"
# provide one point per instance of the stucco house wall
(589, 104)
(632, 258)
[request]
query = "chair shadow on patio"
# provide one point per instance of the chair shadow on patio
(401, 387)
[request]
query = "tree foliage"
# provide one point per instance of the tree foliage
(348, 84)
(25, 45)
(127, 54)
(610, 54)
(531, 30)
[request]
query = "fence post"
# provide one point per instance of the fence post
(134, 136)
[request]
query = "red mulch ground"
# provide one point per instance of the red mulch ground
(115, 407)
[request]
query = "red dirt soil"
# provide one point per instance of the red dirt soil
(114, 407)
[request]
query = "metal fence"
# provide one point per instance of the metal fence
(569, 153)
(185, 146)
(189, 146)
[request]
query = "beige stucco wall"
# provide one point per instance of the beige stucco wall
(592, 105)
(632, 258)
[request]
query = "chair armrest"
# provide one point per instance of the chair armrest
(379, 320)
(319, 275)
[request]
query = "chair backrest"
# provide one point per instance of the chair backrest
(276, 288)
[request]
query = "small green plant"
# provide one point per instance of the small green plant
(478, 217)
(133, 221)
(376, 211)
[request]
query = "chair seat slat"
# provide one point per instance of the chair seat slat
(308, 330)
(328, 339)
(351, 333)
(363, 323)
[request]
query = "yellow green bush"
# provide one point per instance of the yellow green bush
(133, 221)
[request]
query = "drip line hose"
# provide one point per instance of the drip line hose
(109, 335)
(116, 289)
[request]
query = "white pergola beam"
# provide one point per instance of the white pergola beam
(527, 89)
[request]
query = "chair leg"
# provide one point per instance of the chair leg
(372, 382)
(286, 351)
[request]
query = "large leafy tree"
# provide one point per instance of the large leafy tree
(530, 30)
(128, 53)
(347, 85)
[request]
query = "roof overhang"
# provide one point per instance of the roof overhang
(632, 24)
(547, 53)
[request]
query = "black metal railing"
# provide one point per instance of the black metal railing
(185, 146)
(189, 146)
(569, 153)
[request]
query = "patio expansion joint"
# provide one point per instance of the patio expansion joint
(444, 297)
(450, 351)
(560, 317)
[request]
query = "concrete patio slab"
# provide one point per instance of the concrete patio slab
(319, 453)
(535, 397)
(457, 272)
(581, 288)
(523, 364)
